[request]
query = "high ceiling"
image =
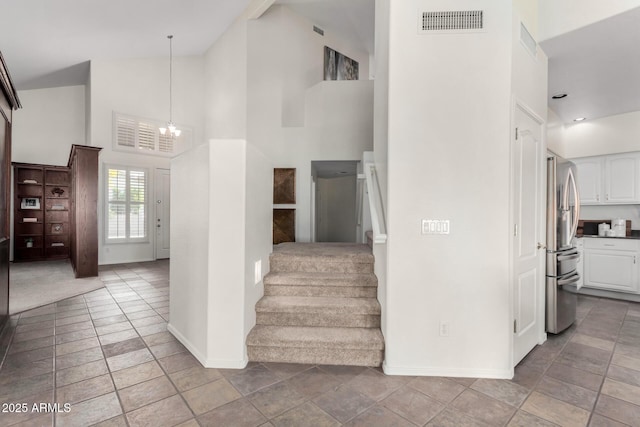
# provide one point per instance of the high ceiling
(49, 43)
(598, 66)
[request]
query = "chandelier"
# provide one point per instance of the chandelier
(173, 131)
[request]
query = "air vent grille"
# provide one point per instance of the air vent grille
(461, 20)
(318, 30)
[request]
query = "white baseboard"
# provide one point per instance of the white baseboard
(207, 362)
(447, 372)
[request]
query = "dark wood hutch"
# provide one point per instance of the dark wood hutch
(8, 102)
(56, 211)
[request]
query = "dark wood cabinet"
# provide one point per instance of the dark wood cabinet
(28, 215)
(41, 212)
(56, 211)
(83, 164)
(8, 102)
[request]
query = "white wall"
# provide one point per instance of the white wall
(213, 291)
(226, 84)
(139, 87)
(189, 274)
(559, 17)
(294, 117)
(630, 212)
(608, 135)
(46, 126)
(258, 229)
(555, 134)
(448, 158)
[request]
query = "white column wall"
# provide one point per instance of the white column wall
(221, 228)
(189, 276)
(227, 213)
(448, 158)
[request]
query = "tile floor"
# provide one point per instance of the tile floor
(107, 355)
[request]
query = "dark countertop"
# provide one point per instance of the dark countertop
(635, 236)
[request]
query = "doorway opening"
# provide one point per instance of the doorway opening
(334, 201)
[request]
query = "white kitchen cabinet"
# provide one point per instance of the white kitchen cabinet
(621, 178)
(612, 179)
(589, 177)
(611, 264)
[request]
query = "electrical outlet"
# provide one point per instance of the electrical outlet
(257, 275)
(444, 328)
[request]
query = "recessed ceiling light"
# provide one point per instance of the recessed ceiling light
(559, 96)
(579, 119)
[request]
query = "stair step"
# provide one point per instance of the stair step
(318, 305)
(321, 284)
(316, 345)
(322, 257)
(318, 311)
(321, 279)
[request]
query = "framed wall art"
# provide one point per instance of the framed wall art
(284, 186)
(338, 66)
(284, 225)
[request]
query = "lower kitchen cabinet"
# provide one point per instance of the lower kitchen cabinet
(612, 264)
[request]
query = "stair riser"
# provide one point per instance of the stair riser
(320, 356)
(339, 280)
(321, 291)
(310, 266)
(327, 320)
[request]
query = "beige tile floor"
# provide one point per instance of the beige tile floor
(108, 355)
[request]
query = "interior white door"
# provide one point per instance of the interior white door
(528, 231)
(163, 218)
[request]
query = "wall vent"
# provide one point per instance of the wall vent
(452, 21)
(528, 41)
(318, 30)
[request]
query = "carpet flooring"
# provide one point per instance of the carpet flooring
(34, 284)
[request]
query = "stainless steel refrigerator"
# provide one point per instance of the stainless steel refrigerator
(563, 212)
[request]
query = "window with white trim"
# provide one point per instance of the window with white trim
(142, 136)
(127, 207)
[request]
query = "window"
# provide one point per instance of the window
(142, 136)
(126, 204)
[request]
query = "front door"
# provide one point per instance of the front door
(163, 219)
(528, 231)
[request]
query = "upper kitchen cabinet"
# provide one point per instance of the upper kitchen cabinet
(613, 179)
(621, 178)
(589, 177)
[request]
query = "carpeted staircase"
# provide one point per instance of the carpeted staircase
(319, 307)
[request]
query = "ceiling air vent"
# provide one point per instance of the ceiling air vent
(452, 21)
(318, 30)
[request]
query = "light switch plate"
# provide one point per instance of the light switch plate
(436, 226)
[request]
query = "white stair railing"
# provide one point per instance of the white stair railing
(378, 220)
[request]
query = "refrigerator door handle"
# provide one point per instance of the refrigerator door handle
(569, 257)
(576, 199)
(569, 280)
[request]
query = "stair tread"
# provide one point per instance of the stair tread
(316, 337)
(297, 304)
(328, 252)
(320, 279)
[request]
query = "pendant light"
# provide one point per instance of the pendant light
(173, 131)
